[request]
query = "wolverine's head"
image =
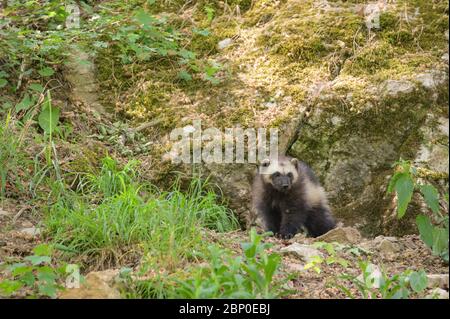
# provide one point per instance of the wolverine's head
(281, 173)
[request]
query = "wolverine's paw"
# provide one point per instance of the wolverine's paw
(285, 235)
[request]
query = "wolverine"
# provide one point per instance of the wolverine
(288, 197)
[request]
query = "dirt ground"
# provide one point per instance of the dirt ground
(19, 234)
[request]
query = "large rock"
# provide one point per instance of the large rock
(388, 248)
(438, 281)
(305, 253)
(439, 293)
(353, 156)
(97, 285)
(344, 235)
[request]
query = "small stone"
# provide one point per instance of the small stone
(340, 43)
(3, 243)
(438, 280)
(270, 104)
(294, 267)
(427, 80)
(395, 87)
(33, 231)
(224, 43)
(341, 235)
(27, 224)
(336, 120)
(300, 238)
(303, 252)
(388, 248)
(439, 294)
(97, 285)
(4, 213)
(379, 239)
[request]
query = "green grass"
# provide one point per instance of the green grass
(168, 225)
(12, 158)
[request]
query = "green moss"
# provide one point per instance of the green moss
(152, 104)
(389, 21)
(372, 59)
(207, 45)
(309, 39)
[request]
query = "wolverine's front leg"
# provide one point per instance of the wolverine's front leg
(291, 222)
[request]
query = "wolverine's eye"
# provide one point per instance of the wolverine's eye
(290, 175)
(277, 174)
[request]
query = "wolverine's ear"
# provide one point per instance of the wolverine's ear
(265, 162)
(294, 162)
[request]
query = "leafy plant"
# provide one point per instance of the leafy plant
(210, 12)
(226, 276)
(35, 276)
(331, 258)
(374, 283)
(48, 117)
(434, 229)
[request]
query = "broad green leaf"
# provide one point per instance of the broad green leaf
(26, 102)
(3, 82)
(373, 277)
(418, 280)
(47, 275)
(45, 72)
(249, 250)
(144, 18)
(12, 267)
(425, 229)
(186, 54)
(43, 250)
(184, 75)
(404, 188)
(49, 117)
(400, 293)
(18, 271)
(48, 290)
(431, 196)
(37, 260)
(440, 240)
(271, 266)
(392, 182)
(8, 287)
(28, 278)
(36, 87)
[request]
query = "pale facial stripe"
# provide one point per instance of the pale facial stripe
(283, 167)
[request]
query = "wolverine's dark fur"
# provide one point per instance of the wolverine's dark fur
(298, 203)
